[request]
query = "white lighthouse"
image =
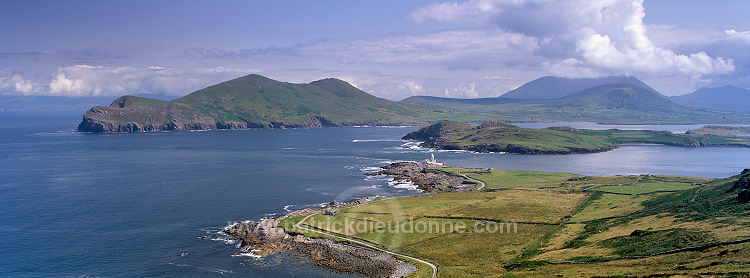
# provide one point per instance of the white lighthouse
(433, 161)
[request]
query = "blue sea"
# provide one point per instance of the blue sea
(151, 204)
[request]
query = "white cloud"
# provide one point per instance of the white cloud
(465, 90)
(12, 83)
(86, 80)
(411, 87)
(743, 36)
(582, 38)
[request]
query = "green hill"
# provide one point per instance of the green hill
(255, 101)
(620, 96)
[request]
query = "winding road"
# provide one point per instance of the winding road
(473, 179)
(298, 226)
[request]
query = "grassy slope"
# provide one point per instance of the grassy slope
(260, 99)
(547, 209)
(704, 214)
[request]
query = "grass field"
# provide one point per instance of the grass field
(542, 217)
(646, 187)
(608, 205)
(500, 179)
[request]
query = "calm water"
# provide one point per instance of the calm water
(148, 204)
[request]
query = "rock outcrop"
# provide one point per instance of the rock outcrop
(265, 237)
(429, 181)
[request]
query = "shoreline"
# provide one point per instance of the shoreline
(352, 256)
(265, 237)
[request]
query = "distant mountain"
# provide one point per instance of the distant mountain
(619, 96)
(728, 98)
(252, 101)
(552, 87)
(608, 96)
(623, 103)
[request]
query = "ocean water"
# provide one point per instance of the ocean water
(150, 204)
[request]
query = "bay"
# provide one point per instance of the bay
(149, 204)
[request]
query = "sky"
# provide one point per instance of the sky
(388, 48)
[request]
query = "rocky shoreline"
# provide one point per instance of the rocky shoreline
(265, 237)
(429, 181)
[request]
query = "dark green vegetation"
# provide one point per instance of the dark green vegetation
(727, 98)
(700, 231)
(255, 101)
(502, 137)
(559, 225)
(609, 103)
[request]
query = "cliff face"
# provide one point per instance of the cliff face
(251, 102)
(103, 119)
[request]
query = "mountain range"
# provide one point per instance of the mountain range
(255, 101)
(728, 98)
(556, 99)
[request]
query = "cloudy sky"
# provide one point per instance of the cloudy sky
(389, 48)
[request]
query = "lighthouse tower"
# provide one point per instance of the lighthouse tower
(433, 161)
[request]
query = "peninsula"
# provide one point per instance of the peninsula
(503, 137)
(528, 224)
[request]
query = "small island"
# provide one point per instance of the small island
(502, 137)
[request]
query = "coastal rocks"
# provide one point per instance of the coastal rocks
(266, 237)
(353, 259)
(429, 181)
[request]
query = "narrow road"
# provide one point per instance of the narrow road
(473, 179)
(434, 267)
